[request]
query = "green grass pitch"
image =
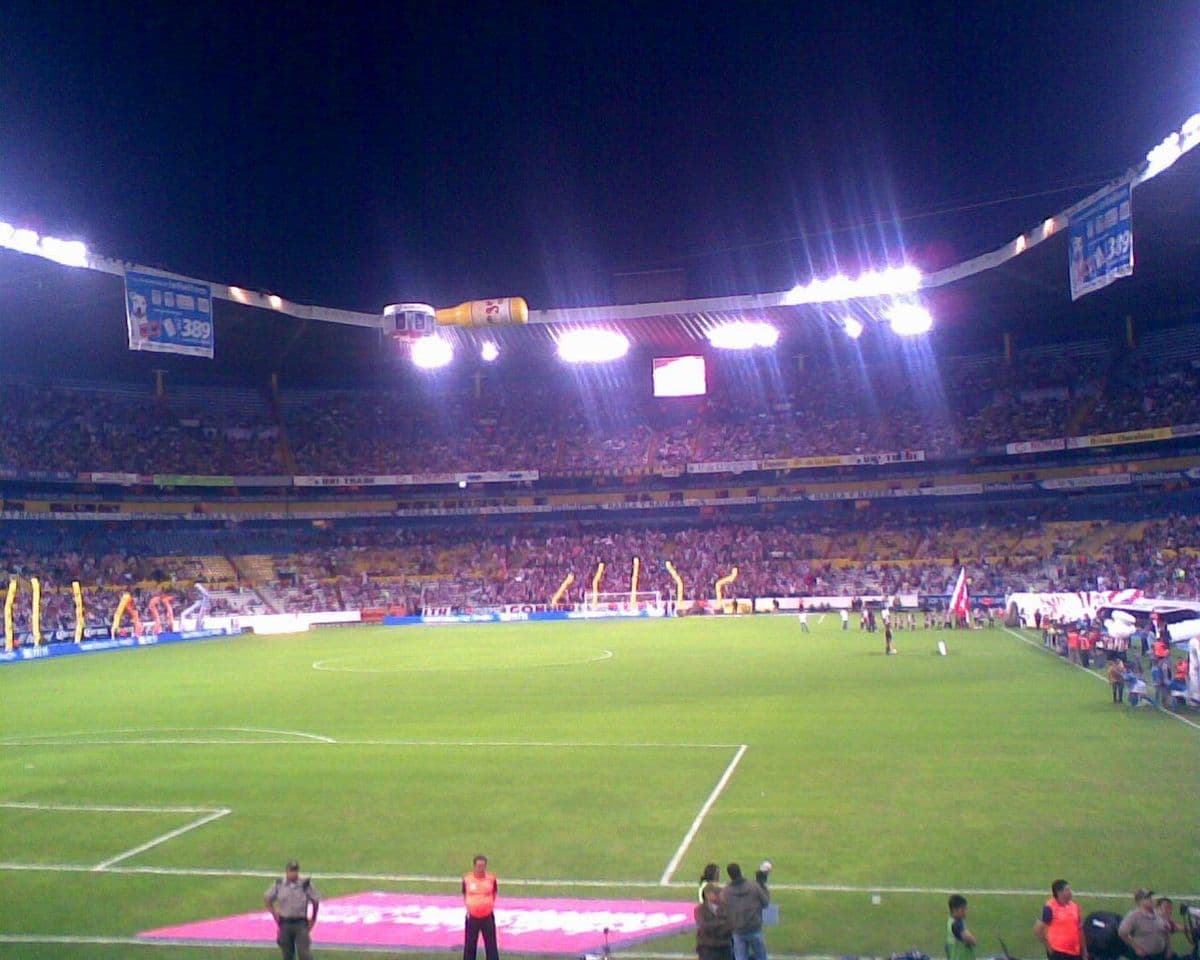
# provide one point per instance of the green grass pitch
(384, 758)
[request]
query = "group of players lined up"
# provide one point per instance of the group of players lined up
(887, 619)
(1085, 643)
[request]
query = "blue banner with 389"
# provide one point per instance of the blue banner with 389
(1100, 240)
(169, 314)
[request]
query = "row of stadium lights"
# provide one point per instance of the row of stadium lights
(601, 345)
(906, 317)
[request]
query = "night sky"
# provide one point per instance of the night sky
(354, 155)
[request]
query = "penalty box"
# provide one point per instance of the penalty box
(678, 775)
(97, 836)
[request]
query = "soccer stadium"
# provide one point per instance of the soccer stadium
(885, 584)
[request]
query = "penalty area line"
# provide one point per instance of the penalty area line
(673, 865)
(171, 835)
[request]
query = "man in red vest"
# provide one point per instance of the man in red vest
(1060, 927)
(479, 896)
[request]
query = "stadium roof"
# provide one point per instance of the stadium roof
(57, 320)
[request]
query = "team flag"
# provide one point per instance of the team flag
(960, 599)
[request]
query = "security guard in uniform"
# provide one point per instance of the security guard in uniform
(288, 901)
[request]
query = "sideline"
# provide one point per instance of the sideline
(452, 882)
(1091, 673)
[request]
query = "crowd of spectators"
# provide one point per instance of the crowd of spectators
(109, 428)
(450, 567)
(565, 423)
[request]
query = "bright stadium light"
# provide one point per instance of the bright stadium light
(431, 353)
(1174, 146)
(852, 326)
(489, 352)
(743, 335)
(874, 283)
(909, 319)
(592, 346)
(70, 253)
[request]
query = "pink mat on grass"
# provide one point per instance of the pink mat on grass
(412, 921)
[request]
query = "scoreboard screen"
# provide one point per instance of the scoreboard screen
(680, 377)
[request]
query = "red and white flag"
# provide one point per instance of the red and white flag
(960, 599)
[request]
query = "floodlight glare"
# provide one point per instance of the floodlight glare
(743, 335)
(909, 319)
(70, 253)
(489, 352)
(430, 353)
(873, 283)
(853, 327)
(592, 346)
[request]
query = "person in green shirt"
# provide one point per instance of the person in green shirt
(960, 942)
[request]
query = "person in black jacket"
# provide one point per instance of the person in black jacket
(743, 901)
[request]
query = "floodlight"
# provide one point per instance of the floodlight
(70, 253)
(275, 301)
(852, 326)
(592, 346)
(743, 335)
(909, 319)
(873, 283)
(489, 352)
(430, 353)
(1162, 156)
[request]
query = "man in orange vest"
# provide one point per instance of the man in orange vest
(1060, 927)
(479, 895)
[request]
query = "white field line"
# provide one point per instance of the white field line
(673, 865)
(54, 739)
(99, 808)
(329, 665)
(149, 844)
(84, 740)
(427, 879)
(32, 939)
(300, 734)
(1102, 679)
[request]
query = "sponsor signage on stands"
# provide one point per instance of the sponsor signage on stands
(1080, 483)
(417, 479)
(1036, 446)
(1116, 439)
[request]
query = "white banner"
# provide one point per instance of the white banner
(416, 479)
(1035, 446)
(1080, 483)
(724, 466)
